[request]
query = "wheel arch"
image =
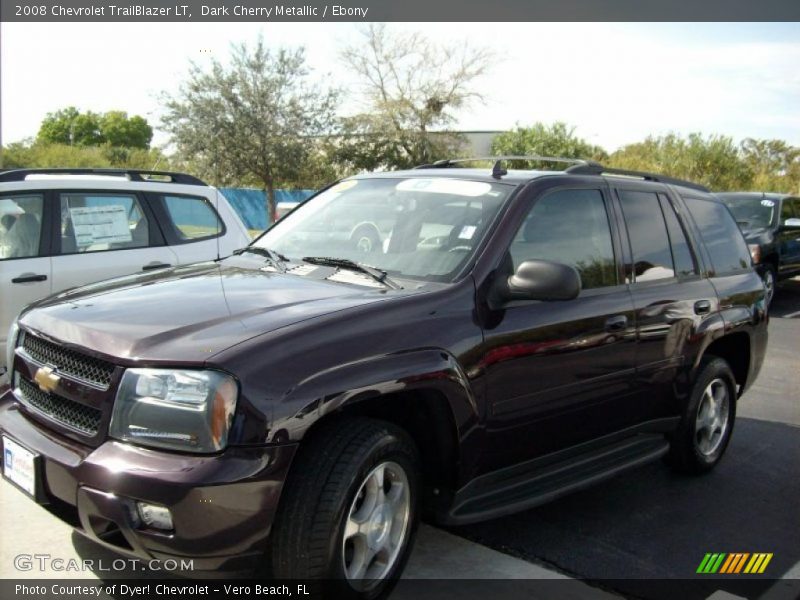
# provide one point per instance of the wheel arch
(735, 349)
(426, 393)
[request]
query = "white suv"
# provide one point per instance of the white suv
(61, 228)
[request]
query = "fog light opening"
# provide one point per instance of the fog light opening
(155, 516)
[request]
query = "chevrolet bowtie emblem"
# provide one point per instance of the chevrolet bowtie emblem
(46, 379)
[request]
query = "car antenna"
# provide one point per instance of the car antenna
(498, 171)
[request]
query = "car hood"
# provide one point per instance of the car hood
(188, 314)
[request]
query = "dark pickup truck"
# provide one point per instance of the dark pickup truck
(771, 226)
(510, 336)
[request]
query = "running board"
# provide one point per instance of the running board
(522, 487)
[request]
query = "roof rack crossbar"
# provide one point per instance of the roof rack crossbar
(598, 169)
(497, 170)
(449, 162)
(132, 174)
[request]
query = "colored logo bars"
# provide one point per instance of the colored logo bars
(734, 563)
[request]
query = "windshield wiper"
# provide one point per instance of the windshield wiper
(276, 258)
(344, 263)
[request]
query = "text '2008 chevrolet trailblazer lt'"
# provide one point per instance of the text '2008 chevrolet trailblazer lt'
(456, 343)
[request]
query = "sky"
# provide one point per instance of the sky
(615, 83)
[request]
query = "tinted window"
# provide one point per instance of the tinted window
(20, 225)
(795, 204)
(571, 227)
(720, 234)
(93, 222)
(681, 252)
(193, 218)
(787, 211)
(652, 257)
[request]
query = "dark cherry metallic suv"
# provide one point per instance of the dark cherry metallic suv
(506, 337)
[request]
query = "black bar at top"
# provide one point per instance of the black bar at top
(397, 10)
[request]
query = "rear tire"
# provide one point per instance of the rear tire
(706, 425)
(348, 512)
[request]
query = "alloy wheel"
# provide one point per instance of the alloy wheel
(713, 415)
(769, 286)
(377, 525)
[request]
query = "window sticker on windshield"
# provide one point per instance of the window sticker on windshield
(100, 225)
(769, 203)
(467, 232)
(455, 187)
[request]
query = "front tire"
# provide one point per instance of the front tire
(707, 423)
(770, 279)
(348, 512)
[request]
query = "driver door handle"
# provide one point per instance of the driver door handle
(616, 323)
(29, 278)
(155, 265)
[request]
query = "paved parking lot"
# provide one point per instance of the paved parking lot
(646, 525)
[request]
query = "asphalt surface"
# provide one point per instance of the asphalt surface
(653, 524)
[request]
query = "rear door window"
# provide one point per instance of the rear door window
(100, 221)
(682, 254)
(647, 231)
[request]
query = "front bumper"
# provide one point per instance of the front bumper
(222, 505)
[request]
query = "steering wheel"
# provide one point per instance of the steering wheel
(460, 248)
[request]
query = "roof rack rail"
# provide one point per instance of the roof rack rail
(132, 174)
(594, 168)
(497, 170)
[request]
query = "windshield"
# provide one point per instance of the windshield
(422, 228)
(751, 213)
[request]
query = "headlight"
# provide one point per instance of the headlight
(180, 410)
(755, 253)
(11, 344)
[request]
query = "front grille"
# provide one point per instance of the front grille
(69, 362)
(73, 414)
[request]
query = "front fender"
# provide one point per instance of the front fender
(332, 390)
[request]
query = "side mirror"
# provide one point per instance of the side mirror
(792, 224)
(538, 280)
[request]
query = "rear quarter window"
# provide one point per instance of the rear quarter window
(721, 235)
(191, 218)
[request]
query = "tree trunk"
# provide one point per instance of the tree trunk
(272, 207)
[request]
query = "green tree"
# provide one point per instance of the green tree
(119, 130)
(43, 155)
(411, 86)
(775, 165)
(556, 140)
(713, 160)
(250, 120)
(71, 127)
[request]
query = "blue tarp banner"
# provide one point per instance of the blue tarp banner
(251, 204)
